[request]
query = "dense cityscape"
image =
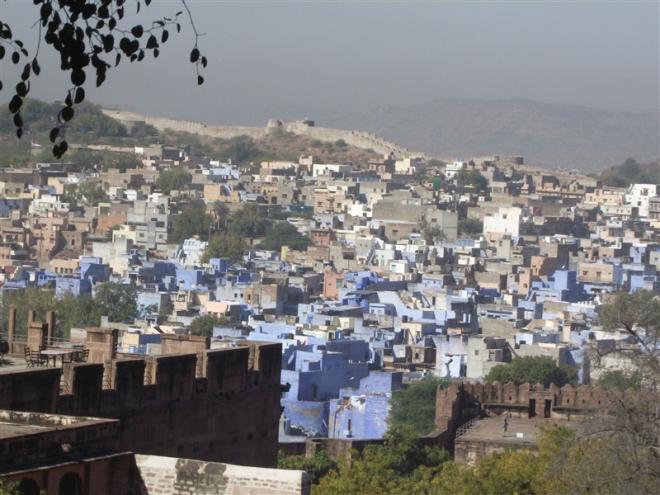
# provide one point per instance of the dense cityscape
(297, 308)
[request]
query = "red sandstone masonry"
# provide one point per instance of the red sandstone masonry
(228, 411)
(453, 403)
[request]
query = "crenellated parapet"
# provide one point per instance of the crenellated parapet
(216, 405)
(462, 401)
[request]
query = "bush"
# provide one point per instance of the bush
(316, 466)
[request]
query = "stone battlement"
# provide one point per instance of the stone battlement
(218, 405)
(461, 402)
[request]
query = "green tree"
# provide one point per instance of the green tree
(23, 300)
(248, 222)
(173, 179)
(471, 178)
(401, 466)
(203, 325)
(284, 234)
(9, 488)
(531, 369)
(89, 192)
(117, 301)
(414, 407)
(225, 245)
(76, 312)
(191, 221)
(637, 315)
(431, 233)
(470, 227)
(316, 466)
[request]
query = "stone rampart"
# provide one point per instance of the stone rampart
(356, 138)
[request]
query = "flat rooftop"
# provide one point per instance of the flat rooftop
(521, 431)
(12, 364)
(19, 424)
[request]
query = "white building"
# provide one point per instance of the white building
(329, 169)
(451, 169)
(639, 195)
(504, 221)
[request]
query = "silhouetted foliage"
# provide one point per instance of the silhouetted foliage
(91, 37)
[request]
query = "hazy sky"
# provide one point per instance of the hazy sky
(297, 59)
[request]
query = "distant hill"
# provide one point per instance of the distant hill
(546, 134)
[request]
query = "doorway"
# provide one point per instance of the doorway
(532, 408)
(547, 409)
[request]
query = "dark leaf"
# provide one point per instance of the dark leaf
(194, 55)
(200, 80)
(100, 78)
(18, 121)
(152, 42)
(137, 31)
(25, 75)
(78, 77)
(15, 57)
(2, 52)
(164, 36)
(112, 23)
(19, 133)
(156, 53)
(80, 96)
(53, 134)
(35, 67)
(204, 61)
(22, 89)
(15, 104)
(68, 101)
(117, 59)
(125, 45)
(67, 113)
(108, 42)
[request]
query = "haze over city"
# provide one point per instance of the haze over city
(326, 60)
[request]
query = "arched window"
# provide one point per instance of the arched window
(28, 487)
(71, 484)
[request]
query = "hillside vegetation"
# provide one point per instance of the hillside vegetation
(91, 126)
